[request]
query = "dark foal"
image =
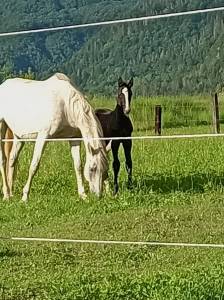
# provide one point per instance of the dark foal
(116, 123)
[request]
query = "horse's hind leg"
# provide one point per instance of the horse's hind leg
(116, 163)
(38, 150)
(127, 144)
(8, 146)
(75, 151)
(5, 187)
(13, 157)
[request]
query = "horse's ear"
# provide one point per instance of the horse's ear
(130, 83)
(120, 81)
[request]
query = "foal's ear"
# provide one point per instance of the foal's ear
(120, 81)
(130, 83)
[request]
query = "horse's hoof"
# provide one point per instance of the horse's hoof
(107, 187)
(130, 186)
(83, 196)
(115, 191)
(6, 194)
(25, 198)
(10, 194)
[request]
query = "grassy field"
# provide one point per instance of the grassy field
(177, 196)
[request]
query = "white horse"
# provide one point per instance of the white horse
(52, 108)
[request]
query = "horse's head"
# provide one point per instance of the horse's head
(96, 169)
(124, 95)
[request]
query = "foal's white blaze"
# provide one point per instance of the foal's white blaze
(127, 106)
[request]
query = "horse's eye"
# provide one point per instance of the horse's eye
(92, 169)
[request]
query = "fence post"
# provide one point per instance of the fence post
(158, 118)
(216, 123)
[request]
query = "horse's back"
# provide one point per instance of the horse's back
(103, 111)
(29, 106)
(51, 84)
(36, 93)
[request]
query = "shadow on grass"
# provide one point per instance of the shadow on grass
(197, 183)
(8, 253)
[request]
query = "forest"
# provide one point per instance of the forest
(181, 55)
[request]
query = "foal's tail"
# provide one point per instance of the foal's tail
(8, 147)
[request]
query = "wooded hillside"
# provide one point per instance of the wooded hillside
(169, 56)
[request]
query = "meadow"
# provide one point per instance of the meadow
(177, 196)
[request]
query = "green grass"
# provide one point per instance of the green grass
(177, 196)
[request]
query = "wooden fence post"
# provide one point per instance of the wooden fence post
(158, 119)
(216, 123)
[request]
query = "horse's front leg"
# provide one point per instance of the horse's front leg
(116, 163)
(38, 150)
(75, 151)
(5, 187)
(127, 144)
(13, 157)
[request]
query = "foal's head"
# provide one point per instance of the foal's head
(124, 95)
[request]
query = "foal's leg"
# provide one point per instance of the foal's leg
(13, 157)
(38, 150)
(116, 163)
(75, 151)
(5, 187)
(127, 144)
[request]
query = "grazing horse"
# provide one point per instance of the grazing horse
(51, 108)
(116, 123)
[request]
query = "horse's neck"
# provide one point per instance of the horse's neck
(91, 131)
(118, 113)
(81, 115)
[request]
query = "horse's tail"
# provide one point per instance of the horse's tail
(8, 147)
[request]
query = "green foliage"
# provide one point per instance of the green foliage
(169, 56)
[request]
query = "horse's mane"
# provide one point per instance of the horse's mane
(61, 76)
(83, 112)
